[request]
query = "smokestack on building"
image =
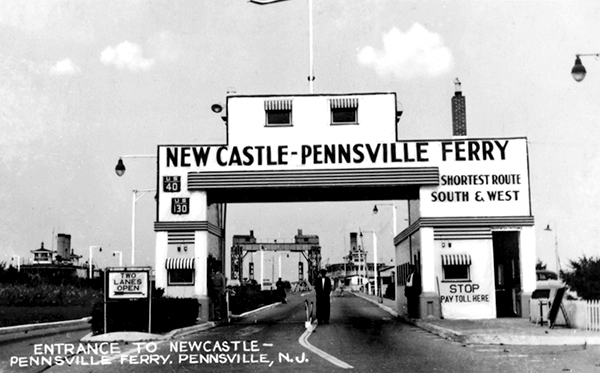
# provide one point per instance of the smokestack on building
(353, 236)
(459, 111)
(63, 243)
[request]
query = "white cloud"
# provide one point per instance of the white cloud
(126, 56)
(64, 67)
(417, 52)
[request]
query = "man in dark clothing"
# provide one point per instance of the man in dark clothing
(281, 290)
(323, 289)
(217, 291)
(413, 292)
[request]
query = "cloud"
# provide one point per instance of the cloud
(418, 52)
(126, 56)
(64, 67)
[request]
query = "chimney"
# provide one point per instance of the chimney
(459, 111)
(353, 236)
(299, 232)
(63, 243)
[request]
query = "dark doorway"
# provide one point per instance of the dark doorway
(507, 273)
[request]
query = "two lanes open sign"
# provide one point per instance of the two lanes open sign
(128, 284)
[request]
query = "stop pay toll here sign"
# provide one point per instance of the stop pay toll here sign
(127, 284)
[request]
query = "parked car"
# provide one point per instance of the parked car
(547, 284)
(543, 275)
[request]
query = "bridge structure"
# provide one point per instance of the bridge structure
(306, 245)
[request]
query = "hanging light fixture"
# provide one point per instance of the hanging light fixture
(578, 70)
(120, 168)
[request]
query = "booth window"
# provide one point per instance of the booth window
(456, 267)
(180, 271)
(278, 113)
(344, 111)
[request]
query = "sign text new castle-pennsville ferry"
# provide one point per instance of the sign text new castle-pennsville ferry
(471, 230)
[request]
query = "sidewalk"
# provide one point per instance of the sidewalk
(503, 331)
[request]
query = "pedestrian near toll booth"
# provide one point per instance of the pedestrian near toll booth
(413, 292)
(217, 290)
(281, 290)
(323, 290)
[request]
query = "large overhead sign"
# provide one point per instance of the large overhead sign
(463, 177)
(341, 155)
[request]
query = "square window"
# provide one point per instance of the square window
(279, 117)
(180, 276)
(343, 116)
(278, 113)
(456, 272)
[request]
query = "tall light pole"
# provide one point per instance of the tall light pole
(374, 261)
(120, 254)
(91, 257)
(134, 199)
(311, 75)
(549, 229)
(18, 262)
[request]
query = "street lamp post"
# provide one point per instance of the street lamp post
(578, 71)
(375, 274)
(311, 75)
(90, 261)
(120, 171)
(548, 229)
(120, 254)
(135, 198)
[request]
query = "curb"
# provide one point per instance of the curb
(19, 332)
(381, 305)
(143, 337)
(505, 339)
(43, 326)
(175, 333)
(489, 339)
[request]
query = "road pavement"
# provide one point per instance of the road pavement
(361, 337)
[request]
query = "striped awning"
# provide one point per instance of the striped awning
(344, 103)
(180, 263)
(456, 259)
(271, 105)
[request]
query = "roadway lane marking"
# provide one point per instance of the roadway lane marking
(332, 359)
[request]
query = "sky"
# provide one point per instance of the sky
(85, 82)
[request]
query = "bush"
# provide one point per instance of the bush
(10, 316)
(247, 297)
(584, 278)
(167, 314)
(47, 295)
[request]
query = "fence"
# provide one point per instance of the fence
(582, 314)
(592, 315)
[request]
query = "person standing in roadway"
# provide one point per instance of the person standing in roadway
(323, 289)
